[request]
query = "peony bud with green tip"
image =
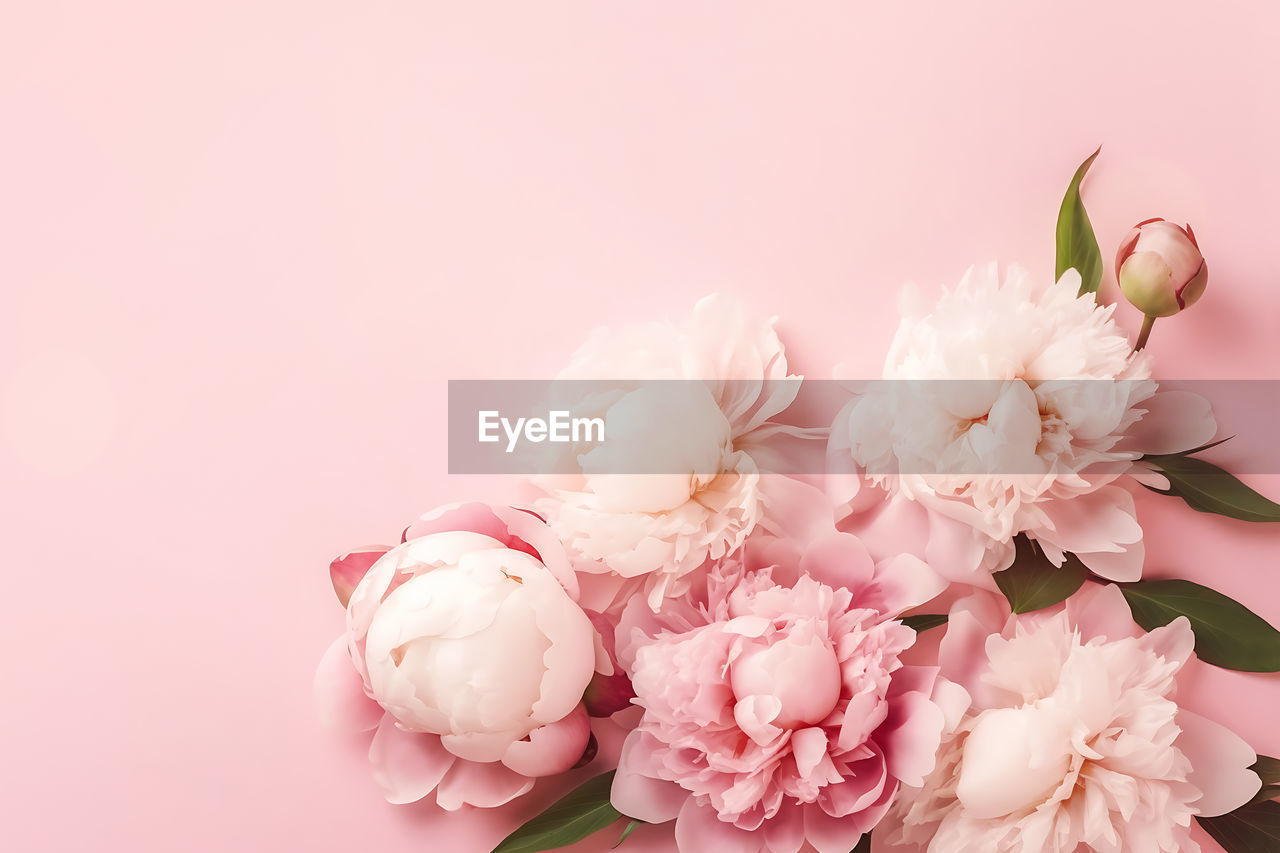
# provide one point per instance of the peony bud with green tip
(1160, 268)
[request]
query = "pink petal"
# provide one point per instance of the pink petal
(643, 797)
(910, 737)
(551, 749)
(407, 765)
(1175, 421)
(895, 526)
(784, 832)
(529, 528)
(347, 571)
(955, 550)
(699, 830)
(1124, 567)
(830, 834)
(340, 698)
(1100, 610)
(483, 785)
(1103, 520)
(838, 560)
(962, 653)
(794, 509)
(904, 581)
(1220, 762)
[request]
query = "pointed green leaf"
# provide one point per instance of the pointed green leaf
(1228, 634)
(1033, 583)
(1208, 488)
(630, 828)
(1077, 246)
(584, 810)
(1253, 828)
(924, 621)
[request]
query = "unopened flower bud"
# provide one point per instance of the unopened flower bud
(1160, 268)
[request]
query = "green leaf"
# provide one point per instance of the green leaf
(1252, 828)
(1228, 634)
(1208, 488)
(924, 621)
(582, 811)
(1033, 583)
(1268, 770)
(630, 828)
(1076, 244)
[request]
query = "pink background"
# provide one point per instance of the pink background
(244, 245)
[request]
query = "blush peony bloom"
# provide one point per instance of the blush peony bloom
(1074, 740)
(702, 436)
(776, 707)
(955, 469)
(465, 650)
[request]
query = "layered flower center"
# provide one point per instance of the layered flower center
(799, 672)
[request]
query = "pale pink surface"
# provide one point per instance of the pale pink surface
(244, 245)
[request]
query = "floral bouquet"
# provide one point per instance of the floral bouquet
(938, 637)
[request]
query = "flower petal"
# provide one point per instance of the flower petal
(407, 765)
(483, 785)
(640, 796)
(551, 749)
(1220, 761)
(340, 698)
(698, 829)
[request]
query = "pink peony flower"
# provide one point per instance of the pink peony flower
(955, 469)
(1074, 740)
(465, 650)
(776, 707)
(703, 437)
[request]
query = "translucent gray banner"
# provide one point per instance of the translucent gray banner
(962, 428)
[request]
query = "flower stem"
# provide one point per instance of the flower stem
(1147, 322)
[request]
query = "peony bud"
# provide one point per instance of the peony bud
(1160, 268)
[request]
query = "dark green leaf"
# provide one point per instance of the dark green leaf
(1268, 770)
(924, 621)
(1228, 634)
(1253, 828)
(584, 810)
(1033, 583)
(1208, 488)
(1077, 246)
(630, 828)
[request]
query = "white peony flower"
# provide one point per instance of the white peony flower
(703, 434)
(1074, 741)
(1032, 444)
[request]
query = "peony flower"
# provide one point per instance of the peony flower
(777, 709)
(1060, 409)
(465, 650)
(629, 530)
(1160, 268)
(1074, 740)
